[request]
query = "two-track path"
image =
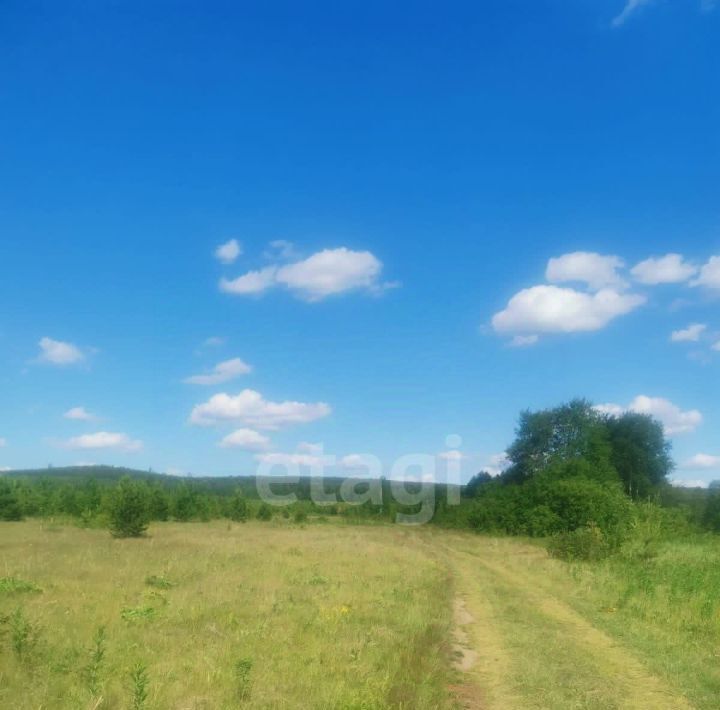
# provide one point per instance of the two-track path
(518, 645)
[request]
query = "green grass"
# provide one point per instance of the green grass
(216, 616)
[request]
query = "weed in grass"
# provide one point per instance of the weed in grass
(23, 633)
(139, 683)
(138, 613)
(13, 585)
(243, 669)
(159, 582)
(93, 670)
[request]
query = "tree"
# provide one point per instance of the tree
(264, 512)
(470, 490)
(128, 509)
(9, 503)
(640, 453)
(238, 508)
(572, 431)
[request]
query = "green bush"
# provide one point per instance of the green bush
(9, 503)
(586, 543)
(238, 507)
(264, 512)
(128, 509)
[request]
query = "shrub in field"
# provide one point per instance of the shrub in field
(300, 516)
(586, 543)
(13, 585)
(128, 509)
(9, 503)
(23, 633)
(93, 670)
(264, 512)
(238, 507)
(139, 685)
(243, 669)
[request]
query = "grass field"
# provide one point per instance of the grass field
(275, 615)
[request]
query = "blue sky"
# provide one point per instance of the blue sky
(397, 180)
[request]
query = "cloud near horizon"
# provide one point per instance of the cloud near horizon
(674, 420)
(104, 440)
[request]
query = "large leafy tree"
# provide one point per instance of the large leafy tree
(551, 438)
(640, 452)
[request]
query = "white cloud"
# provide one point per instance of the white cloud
(222, 372)
(325, 273)
(688, 483)
(668, 269)
(227, 253)
(104, 440)
(496, 464)
(702, 461)
(691, 334)
(247, 439)
(631, 6)
(213, 342)
(595, 270)
(709, 274)
(251, 283)
(280, 459)
(3, 442)
(551, 309)
(674, 420)
(57, 352)
(353, 461)
(523, 341)
(249, 407)
(79, 414)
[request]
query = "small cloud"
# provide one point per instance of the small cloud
(79, 414)
(246, 439)
(57, 352)
(709, 274)
(213, 342)
(3, 442)
(306, 447)
(252, 409)
(702, 461)
(253, 282)
(716, 346)
(595, 270)
(326, 273)
(523, 341)
(104, 440)
(688, 483)
(631, 7)
(691, 334)
(222, 372)
(227, 253)
(496, 464)
(551, 309)
(668, 269)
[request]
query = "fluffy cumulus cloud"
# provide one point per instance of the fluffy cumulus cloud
(552, 309)
(674, 420)
(227, 253)
(325, 273)
(246, 439)
(691, 334)
(57, 352)
(668, 269)
(702, 461)
(251, 408)
(595, 270)
(709, 274)
(104, 440)
(222, 372)
(496, 464)
(79, 414)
